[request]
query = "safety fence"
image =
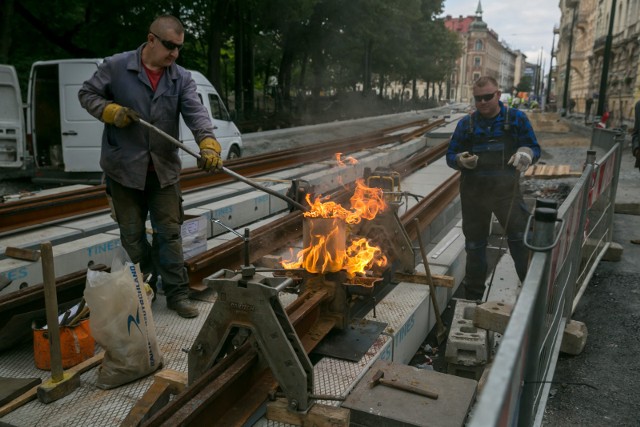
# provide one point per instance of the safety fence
(567, 243)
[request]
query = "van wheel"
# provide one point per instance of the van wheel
(234, 152)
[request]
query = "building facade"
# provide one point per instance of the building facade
(586, 28)
(482, 55)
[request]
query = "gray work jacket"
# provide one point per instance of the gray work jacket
(126, 151)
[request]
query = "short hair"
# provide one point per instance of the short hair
(484, 80)
(166, 22)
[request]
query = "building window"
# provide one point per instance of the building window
(479, 45)
(476, 76)
(476, 61)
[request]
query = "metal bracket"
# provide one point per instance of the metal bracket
(254, 305)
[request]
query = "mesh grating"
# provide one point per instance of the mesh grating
(91, 406)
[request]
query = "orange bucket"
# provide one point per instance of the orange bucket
(76, 345)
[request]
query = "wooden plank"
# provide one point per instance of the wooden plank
(317, 416)
(166, 382)
(421, 278)
(32, 393)
(177, 380)
(22, 254)
(10, 388)
(551, 172)
(154, 399)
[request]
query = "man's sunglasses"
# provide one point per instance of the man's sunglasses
(167, 44)
(486, 98)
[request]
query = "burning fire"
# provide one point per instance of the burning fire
(347, 161)
(326, 249)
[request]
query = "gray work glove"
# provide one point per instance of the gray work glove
(522, 159)
(465, 160)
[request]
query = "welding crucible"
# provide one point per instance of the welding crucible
(324, 241)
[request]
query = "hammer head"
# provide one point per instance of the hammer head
(376, 378)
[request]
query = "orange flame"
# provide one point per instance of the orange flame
(321, 255)
(349, 160)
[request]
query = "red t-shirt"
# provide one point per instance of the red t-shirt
(154, 76)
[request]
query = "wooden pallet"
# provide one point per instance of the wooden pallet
(550, 172)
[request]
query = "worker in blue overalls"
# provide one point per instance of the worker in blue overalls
(491, 147)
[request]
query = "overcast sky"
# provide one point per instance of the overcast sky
(526, 26)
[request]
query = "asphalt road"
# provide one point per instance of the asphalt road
(600, 386)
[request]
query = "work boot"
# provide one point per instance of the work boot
(473, 291)
(183, 307)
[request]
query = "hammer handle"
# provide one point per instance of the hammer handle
(409, 388)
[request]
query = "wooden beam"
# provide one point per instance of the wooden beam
(32, 393)
(317, 416)
(166, 382)
(421, 278)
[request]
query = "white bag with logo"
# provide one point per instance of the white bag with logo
(122, 323)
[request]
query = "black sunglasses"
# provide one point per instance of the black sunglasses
(486, 98)
(167, 44)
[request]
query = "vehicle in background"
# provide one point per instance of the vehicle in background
(12, 130)
(64, 140)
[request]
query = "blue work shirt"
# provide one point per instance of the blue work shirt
(519, 132)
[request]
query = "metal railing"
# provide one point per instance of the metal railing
(567, 242)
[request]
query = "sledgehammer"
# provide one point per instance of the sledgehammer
(61, 383)
(224, 169)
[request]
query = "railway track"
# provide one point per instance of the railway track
(234, 390)
(47, 210)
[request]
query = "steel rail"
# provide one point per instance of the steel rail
(51, 209)
(238, 390)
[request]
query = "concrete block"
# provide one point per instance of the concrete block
(574, 338)
(613, 252)
(493, 316)
(389, 407)
(467, 344)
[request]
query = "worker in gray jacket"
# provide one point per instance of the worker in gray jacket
(142, 169)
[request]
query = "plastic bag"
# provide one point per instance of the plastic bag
(122, 323)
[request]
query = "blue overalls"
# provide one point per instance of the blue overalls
(492, 187)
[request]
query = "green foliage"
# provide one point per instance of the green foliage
(328, 46)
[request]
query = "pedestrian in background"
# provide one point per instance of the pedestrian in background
(143, 169)
(587, 111)
(491, 147)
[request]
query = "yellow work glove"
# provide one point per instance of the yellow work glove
(210, 155)
(467, 160)
(119, 116)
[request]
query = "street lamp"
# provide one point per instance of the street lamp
(553, 43)
(605, 62)
(565, 96)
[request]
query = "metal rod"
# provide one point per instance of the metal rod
(286, 283)
(247, 261)
(224, 169)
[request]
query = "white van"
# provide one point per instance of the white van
(12, 131)
(65, 139)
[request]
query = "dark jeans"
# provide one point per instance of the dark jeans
(480, 197)
(164, 257)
